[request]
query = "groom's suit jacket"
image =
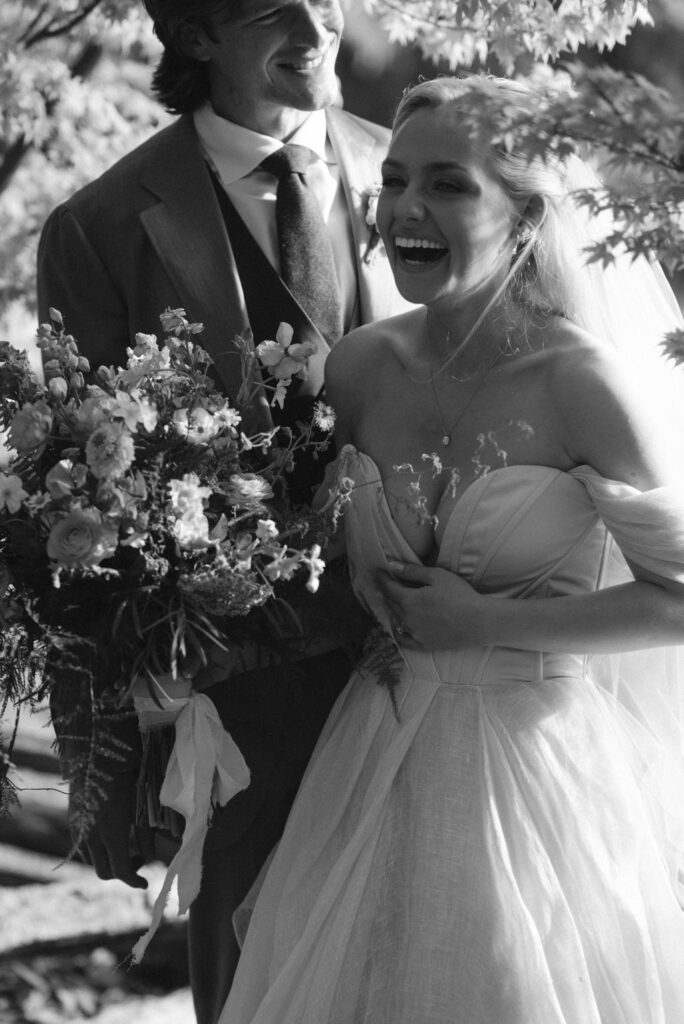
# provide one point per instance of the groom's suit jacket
(147, 235)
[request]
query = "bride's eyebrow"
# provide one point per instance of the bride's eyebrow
(439, 165)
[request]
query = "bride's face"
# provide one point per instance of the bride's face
(446, 221)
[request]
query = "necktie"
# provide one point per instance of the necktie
(307, 265)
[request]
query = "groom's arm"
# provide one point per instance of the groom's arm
(73, 278)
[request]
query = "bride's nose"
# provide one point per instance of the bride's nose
(409, 206)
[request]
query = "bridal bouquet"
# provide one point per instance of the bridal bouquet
(142, 519)
(140, 522)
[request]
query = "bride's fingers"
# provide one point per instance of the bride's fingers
(409, 573)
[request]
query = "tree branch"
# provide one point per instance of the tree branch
(32, 24)
(13, 157)
(49, 32)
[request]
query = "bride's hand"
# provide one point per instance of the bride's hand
(431, 608)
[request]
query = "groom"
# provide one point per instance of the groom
(190, 219)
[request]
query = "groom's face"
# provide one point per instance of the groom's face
(269, 58)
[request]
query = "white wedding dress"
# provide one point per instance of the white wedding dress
(496, 853)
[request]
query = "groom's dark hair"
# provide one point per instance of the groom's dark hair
(180, 82)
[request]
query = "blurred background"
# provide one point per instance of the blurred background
(63, 933)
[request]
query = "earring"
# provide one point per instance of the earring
(523, 236)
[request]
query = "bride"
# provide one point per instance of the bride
(485, 834)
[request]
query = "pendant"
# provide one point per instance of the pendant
(446, 440)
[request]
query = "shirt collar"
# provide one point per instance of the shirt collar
(237, 151)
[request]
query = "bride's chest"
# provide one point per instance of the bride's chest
(510, 528)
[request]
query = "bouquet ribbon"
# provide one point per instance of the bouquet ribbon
(205, 768)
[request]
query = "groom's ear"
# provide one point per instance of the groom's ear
(193, 41)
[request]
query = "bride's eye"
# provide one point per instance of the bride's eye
(391, 181)
(449, 186)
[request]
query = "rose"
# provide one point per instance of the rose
(81, 538)
(30, 428)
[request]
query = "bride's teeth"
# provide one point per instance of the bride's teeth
(417, 243)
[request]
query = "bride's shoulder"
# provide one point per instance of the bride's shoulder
(615, 411)
(581, 366)
(366, 349)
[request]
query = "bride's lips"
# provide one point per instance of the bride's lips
(418, 252)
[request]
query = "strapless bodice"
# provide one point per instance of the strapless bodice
(523, 531)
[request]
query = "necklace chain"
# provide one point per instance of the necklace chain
(447, 430)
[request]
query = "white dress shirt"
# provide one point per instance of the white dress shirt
(235, 154)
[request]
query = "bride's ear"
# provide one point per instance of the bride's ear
(530, 218)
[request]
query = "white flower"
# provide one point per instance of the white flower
(145, 361)
(371, 220)
(372, 209)
(196, 425)
(266, 530)
(226, 417)
(145, 344)
(133, 410)
(110, 451)
(316, 567)
(282, 358)
(282, 566)
(65, 477)
(220, 531)
(187, 497)
(11, 492)
(324, 417)
(192, 531)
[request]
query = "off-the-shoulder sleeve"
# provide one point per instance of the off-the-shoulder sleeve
(647, 525)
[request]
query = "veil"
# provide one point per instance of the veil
(630, 305)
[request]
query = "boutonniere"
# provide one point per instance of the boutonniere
(374, 240)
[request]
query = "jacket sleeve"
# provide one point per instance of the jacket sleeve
(73, 279)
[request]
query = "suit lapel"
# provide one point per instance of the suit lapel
(360, 154)
(187, 231)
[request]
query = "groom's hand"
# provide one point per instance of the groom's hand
(114, 846)
(432, 609)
